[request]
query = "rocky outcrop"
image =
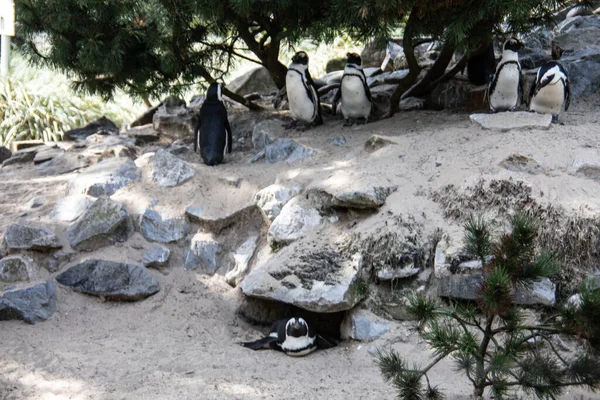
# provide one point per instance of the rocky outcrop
(102, 126)
(156, 229)
(272, 199)
(105, 178)
(362, 325)
(168, 170)
(27, 237)
(173, 119)
(106, 222)
(156, 257)
(257, 80)
(16, 269)
(110, 280)
(284, 150)
(31, 303)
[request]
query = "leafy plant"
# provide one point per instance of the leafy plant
(491, 341)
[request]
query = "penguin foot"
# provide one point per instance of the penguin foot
(348, 122)
(291, 124)
(363, 121)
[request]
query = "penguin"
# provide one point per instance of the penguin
(354, 92)
(303, 97)
(213, 133)
(505, 89)
(550, 92)
(293, 336)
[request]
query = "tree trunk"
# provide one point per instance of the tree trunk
(233, 96)
(480, 374)
(426, 84)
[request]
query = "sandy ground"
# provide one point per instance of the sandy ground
(181, 343)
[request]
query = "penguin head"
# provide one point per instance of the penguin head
(296, 327)
(353, 58)
(214, 92)
(513, 44)
(300, 58)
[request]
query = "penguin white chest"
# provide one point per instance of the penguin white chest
(505, 95)
(355, 103)
(301, 105)
(549, 100)
(298, 346)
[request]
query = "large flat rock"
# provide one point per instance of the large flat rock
(106, 177)
(157, 229)
(217, 222)
(314, 277)
(169, 170)
(111, 280)
(29, 302)
(506, 121)
(29, 237)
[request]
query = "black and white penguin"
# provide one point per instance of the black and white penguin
(505, 89)
(293, 336)
(303, 97)
(550, 92)
(213, 133)
(353, 92)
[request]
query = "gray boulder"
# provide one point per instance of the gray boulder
(174, 119)
(16, 269)
(266, 132)
(284, 150)
(168, 170)
(29, 302)
(105, 178)
(216, 223)
(62, 164)
(506, 121)
(584, 71)
(102, 126)
(155, 229)
(257, 80)
(296, 218)
(242, 257)
(272, 199)
(26, 237)
(103, 224)
(205, 253)
(69, 208)
(47, 155)
(156, 257)
(362, 325)
(111, 280)
(358, 197)
(25, 155)
(5, 154)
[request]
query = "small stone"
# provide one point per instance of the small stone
(506, 121)
(338, 141)
(168, 170)
(520, 163)
(155, 229)
(26, 237)
(106, 177)
(71, 207)
(362, 325)
(272, 199)
(284, 150)
(156, 257)
(16, 269)
(31, 303)
(376, 142)
(37, 201)
(207, 250)
(111, 280)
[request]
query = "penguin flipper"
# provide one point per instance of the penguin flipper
(567, 94)
(263, 343)
(325, 343)
(532, 91)
(229, 135)
(365, 85)
(336, 99)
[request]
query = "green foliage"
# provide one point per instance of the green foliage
(492, 344)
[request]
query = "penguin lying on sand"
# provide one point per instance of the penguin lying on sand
(505, 89)
(213, 133)
(303, 97)
(292, 336)
(354, 92)
(550, 92)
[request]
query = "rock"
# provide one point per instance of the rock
(578, 34)
(266, 132)
(584, 71)
(362, 325)
(242, 257)
(156, 257)
(20, 157)
(111, 280)
(520, 163)
(145, 118)
(412, 103)
(143, 134)
(105, 178)
(155, 229)
(589, 170)
(218, 223)
(70, 208)
(102, 126)
(377, 142)
(168, 170)
(506, 121)
(336, 64)
(256, 80)
(330, 78)
(16, 269)
(318, 279)
(450, 95)
(110, 146)
(5, 154)
(18, 145)
(26, 237)
(284, 150)
(338, 141)
(63, 164)
(47, 155)
(31, 303)
(388, 274)
(359, 197)
(296, 218)
(174, 119)
(542, 293)
(207, 252)
(272, 199)
(37, 201)
(103, 224)
(579, 11)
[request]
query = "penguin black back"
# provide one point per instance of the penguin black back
(213, 133)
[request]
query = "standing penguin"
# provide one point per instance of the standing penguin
(550, 92)
(505, 89)
(292, 336)
(303, 97)
(354, 91)
(213, 133)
